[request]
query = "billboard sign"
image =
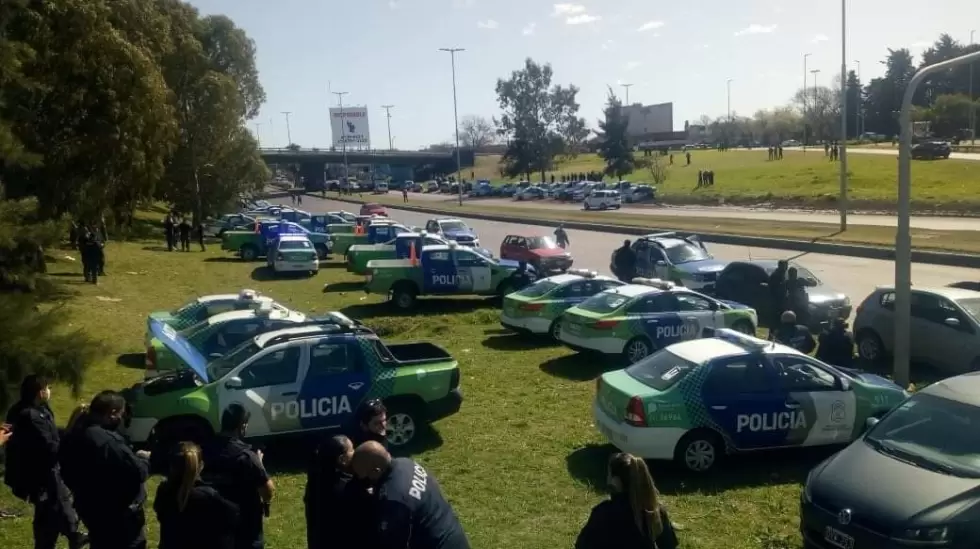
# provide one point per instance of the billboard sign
(349, 126)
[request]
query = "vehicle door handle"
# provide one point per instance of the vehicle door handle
(719, 407)
(792, 405)
(290, 394)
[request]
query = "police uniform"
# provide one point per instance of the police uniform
(837, 348)
(108, 481)
(796, 336)
(208, 521)
(235, 470)
(412, 512)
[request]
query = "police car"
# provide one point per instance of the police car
(683, 260)
(206, 306)
(636, 319)
(453, 229)
(537, 308)
(291, 253)
(696, 401)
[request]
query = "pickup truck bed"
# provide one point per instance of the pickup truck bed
(418, 353)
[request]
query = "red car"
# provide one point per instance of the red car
(541, 252)
(374, 209)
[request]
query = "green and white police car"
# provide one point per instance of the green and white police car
(207, 306)
(696, 401)
(537, 308)
(634, 320)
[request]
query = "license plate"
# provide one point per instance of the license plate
(838, 539)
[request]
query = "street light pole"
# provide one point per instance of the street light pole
(815, 72)
(805, 56)
(859, 109)
(903, 236)
(842, 150)
(730, 100)
(973, 107)
(289, 134)
(343, 138)
(627, 88)
(387, 109)
(258, 134)
(452, 56)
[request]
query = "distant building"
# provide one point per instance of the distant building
(645, 120)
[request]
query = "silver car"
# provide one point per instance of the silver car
(945, 327)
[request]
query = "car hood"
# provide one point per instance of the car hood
(457, 234)
(703, 266)
(735, 304)
(897, 494)
(549, 252)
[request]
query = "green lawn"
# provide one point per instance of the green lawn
(810, 180)
(522, 462)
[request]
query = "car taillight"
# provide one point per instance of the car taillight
(604, 324)
(635, 415)
(532, 306)
(151, 358)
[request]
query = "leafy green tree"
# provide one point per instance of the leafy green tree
(949, 114)
(614, 147)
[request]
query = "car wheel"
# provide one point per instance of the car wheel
(602, 206)
(404, 296)
(975, 365)
(637, 349)
(870, 347)
(248, 252)
(699, 451)
(745, 327)
(587, 208)
(321, 251)
(555, 329)
(403, 423)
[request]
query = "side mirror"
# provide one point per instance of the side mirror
(714, 306)
(661, 263)
(845, 384)
(952, 322)
(870, 423)
(234, 383)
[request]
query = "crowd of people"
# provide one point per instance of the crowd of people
(90, 240)
(217, 494)
(179, 233)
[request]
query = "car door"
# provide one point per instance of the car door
(699, 309)
(336, 382)
(439, 272)
(659, 267)
(937, 341)
(474, 271)
(829, 412)
(660, 316)
(742, 397)
(644, 267)
(269, 390)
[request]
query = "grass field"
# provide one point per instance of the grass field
(522, 462)
(809, 180)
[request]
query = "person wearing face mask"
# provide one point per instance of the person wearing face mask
(336, 508)
(106, 477)
(411, 512)
(191, 514)
(371, 423)
(633, 518)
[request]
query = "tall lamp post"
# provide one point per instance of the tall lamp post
(805, 57)
(729, 83)
(343, 138)
(815, 72)
(452, 56)
(289, 134)
(627, 88)
(842, 150)
(258, 134)
(387, 109)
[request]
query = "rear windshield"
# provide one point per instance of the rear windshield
(541, 243)
(661, 370)
(605, 302)
(295, 245)
(538, 289)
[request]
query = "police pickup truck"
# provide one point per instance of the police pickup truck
(359, 255)
(441, 270)
(377, 230)
(251, 245)
(294, 381)
(453, 229)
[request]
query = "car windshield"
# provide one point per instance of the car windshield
(541, 243)
(295, 245)
(933, 433)
(686, 253)
(605, 302)
(971, 306)
(538, 289)
(661, 370)
(453, 226)
(190, 331)
(186, 308)
(219, 367)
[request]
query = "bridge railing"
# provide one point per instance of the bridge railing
(372, 152)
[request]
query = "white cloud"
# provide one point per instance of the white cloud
(567, 9)
(489, 24)
(650, 25)
(820, 38)
(582, 19)
(756, 28)
(632, 65)
(529, 29)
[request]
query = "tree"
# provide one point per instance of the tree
(822, 111)
(476, 132)
(614, 147)
(854, 104)
(657, 167)
(949, 114)
(539, 119)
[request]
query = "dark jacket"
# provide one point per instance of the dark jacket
(611, 525)
(412, 512)
(836, 348)
(237, 473)
(207, 522)
(338, 508)
(625, 262)
(796, 336)
(33, 450)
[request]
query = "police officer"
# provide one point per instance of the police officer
(777, 293)
(32, 466)
(624, 262)
(562, 237)
(185, 235)
(836, 345)
(794, 335)
(371, 423)
(106, 477)
(338, 511)
(237, 472)
(521, 277)
(412, 512)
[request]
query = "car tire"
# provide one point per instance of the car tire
(555, 329)
(587, 208)
(404, 295)
(870, 346)
(321, 251)
(637, 349)
(744, 326)
(699, 451)
(404, 422)
(248, 252)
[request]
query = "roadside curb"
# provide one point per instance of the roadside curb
(854, 250)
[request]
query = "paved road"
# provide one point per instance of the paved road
(853, 276)
(762, 214)
(886, 152)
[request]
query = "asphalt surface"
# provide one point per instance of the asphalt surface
(887, 152)
(854, 277)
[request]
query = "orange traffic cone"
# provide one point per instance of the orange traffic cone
(413, 258)
(257, 230)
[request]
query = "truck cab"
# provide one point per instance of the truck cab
(377, 230)
(359, 255)
(251, 245)
(453, 229)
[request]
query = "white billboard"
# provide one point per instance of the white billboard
(350, 126)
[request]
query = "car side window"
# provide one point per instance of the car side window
(887, 301)
(573, 290)
(796, 374)
(739, 376)
(327, 359)
(606, 285)
(214, 309)
(509, 241)
(432, 242)
(665, 303)
(691, 302)
(656, 254)
(440, 255)
(469, 259)
(432, 227)
(275, 368)
(926, 307)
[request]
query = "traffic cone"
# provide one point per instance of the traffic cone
(413, 258)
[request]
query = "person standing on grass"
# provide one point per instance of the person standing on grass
(633, 517)
(199, 234)
(168, 230)
(405, 193)
(185, 235)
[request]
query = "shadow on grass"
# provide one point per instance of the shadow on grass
(424, 307)
(518, 342)
(778, 467)
(157, 248)
(339, 287)
(136, 361)
(265, 273)
(225, 259)
(580, 366)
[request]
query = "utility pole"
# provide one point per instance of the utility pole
(387, 109)
(805, 56)
(859, 108)
(814, 72)
(452, 56)
(627, 88)
(842, 148)
(272, 133)
(973, 107)
(258, 134)
(343, 138)
(730, 100)
(289, 135)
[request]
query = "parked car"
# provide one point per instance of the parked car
(639, 193)
(931, 150)
(381, 187)
(603, 200)
(373, 209)
(292, 253)
(531, 193)
(541, 252)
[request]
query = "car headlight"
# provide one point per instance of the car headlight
(935, 534)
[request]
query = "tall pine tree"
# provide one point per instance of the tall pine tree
(614, 147)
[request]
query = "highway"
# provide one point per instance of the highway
(854, 277)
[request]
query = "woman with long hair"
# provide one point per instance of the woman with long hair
(634, 517)
(191, 514)
(77, 418)
(336, 507)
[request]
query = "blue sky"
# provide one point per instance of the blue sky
(386, 52)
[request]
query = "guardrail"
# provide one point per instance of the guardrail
(374, 152)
